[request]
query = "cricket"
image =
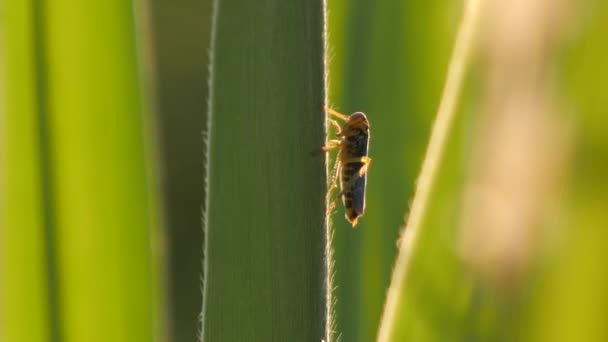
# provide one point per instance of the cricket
(352, 162)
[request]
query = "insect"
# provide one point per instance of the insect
(352, 162)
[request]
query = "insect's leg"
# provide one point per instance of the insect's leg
(331, 202)
(335, 174)
(336, 114)
(366, 163)
(332, 144)
(336, 126)
(362, 171)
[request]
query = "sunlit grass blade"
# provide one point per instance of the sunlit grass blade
(264, 276)
(397, 323)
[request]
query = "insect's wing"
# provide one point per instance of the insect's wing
(359, 196)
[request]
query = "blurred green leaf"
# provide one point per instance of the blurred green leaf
(103, 211)
(181, 34)
(24, 297)
(388, 60)
(437, 294)
(570, 301)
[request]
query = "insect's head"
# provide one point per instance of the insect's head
(357, 122)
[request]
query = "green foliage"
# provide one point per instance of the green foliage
(264, 228)
(546, 286)
(24, 312)
(389, 60)
(505, 241)
(74, 142)
(100, 197)
(181, 32)
(570, 301)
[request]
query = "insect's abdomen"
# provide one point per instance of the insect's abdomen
(353, 175)
(353, 188)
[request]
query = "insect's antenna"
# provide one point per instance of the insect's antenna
(336, 114)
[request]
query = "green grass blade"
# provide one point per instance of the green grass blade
(99, 174)
(24, 307)
(265, 232)
(389, 60)
(181, 48)
(435, 185)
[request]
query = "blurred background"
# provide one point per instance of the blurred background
(105, 191)
(512, 248)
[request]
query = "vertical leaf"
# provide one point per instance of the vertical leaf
(100, 180)
(389, 59)
(181, 47)
(265, 238)
(405, 315)
(24, 308)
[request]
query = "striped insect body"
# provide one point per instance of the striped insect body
(352, 162)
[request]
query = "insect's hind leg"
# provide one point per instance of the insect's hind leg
(366, 161)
